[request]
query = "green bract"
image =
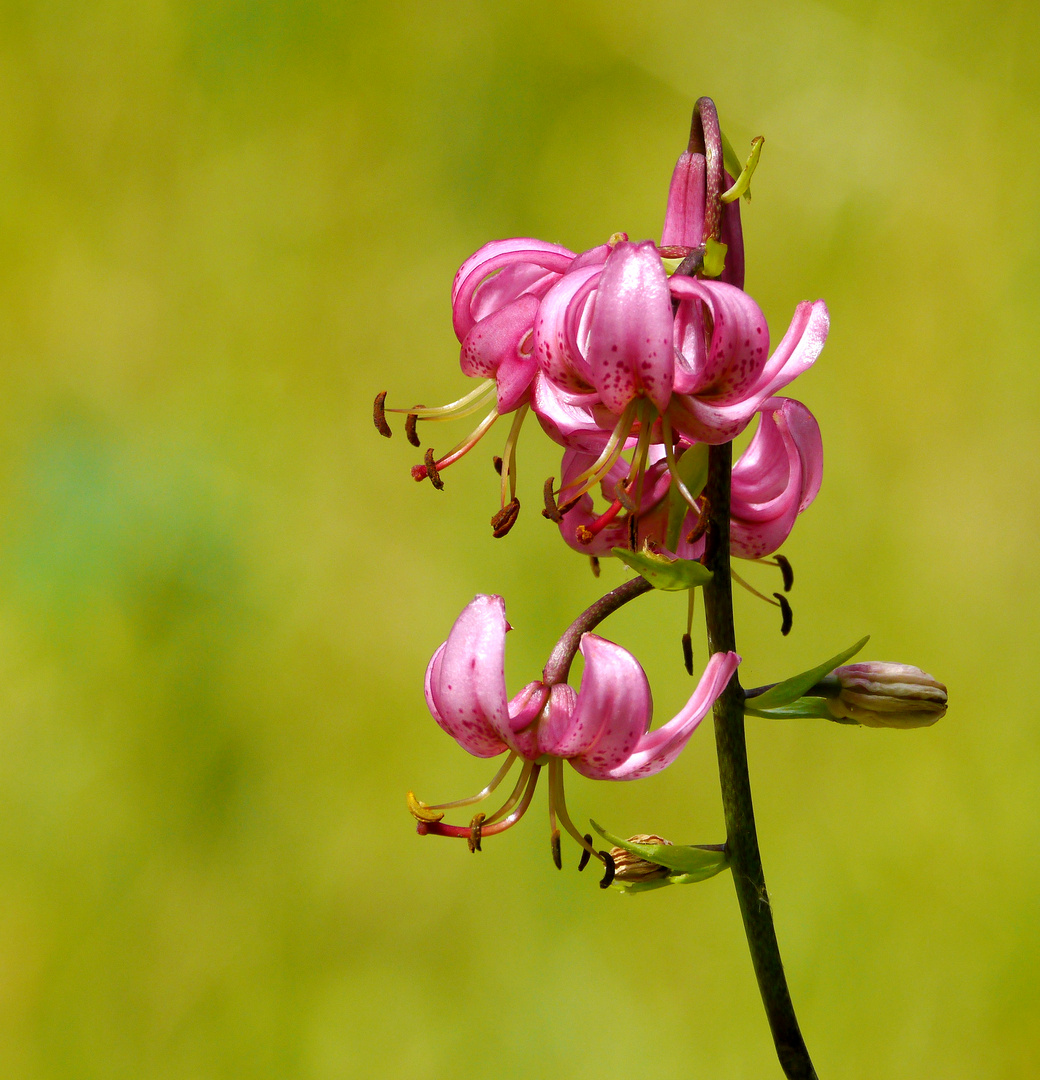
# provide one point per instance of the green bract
(665, 571)
(686, 863)
(785, 702)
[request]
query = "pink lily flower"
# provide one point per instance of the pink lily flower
(774, 480)
(603, 729)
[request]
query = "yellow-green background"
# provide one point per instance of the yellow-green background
(223, 227)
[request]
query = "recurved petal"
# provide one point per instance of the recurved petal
(630, 335)
(613, 709)
(656, 750)
(520, 265)
(465, 680)
(499, 347)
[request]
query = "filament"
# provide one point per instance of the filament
(518, 790)
(673, 465)
(751, 589)
(557, 802)
(483, 793)
(470, 403)
(470, 441)
(509, 454)
(608, 457)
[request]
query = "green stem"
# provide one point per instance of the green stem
(742, 840)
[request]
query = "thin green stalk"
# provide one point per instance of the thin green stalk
(742, 840)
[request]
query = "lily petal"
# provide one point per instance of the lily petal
(465, 680)
(630, 334)
(613, 708)
(656, 750)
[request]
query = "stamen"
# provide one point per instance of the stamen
(420, 811)
(497, 462)
(586, 854)
(379, 415)
(431, 467)
(594, 563)
(786, 571)
(479, 797)
(432, 472)
(623, 497)
(551, 512)
(700, 526)
(687, 651)
(409, 427)
(613, 449)
(787, 613)
(555, 842)
(751, 589)
(673, 468)
(518, 790)
(608, 875)
(558, 807)
(505, 519)
(509, 453)
(456, 409)
(474, 832)
(492, 825)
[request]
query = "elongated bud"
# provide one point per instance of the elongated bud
(887, 695)
(630, 868)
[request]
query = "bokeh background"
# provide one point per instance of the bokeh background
(223, 227)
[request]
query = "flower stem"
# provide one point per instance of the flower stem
(742, 840)
(559, 665)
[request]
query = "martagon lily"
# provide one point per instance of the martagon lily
(603, 729)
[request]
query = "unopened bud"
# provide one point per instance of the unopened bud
(887, 695)
(630, 868)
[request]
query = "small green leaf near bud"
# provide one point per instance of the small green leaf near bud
(680, 864)
(665, 571)
(790, 690)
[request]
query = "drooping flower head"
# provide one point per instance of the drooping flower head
(603, 729)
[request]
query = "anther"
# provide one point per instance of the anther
(786, 572)
(557, 858)
(608, 872)
(474, 832)
(505, 519)
(586, 853)
(633, 531)
(431, 470)
(700, 527)
(379, 415)
(624, 497)
(786, 613)
(497, 462)
(594, 563)
(687, 653)
(409, 427)
(551, 510)
(420, 811)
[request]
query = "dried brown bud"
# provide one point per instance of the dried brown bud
(887, 695)
(631, 868)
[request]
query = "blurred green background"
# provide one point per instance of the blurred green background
(225, 226)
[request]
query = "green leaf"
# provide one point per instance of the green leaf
(692, 468)
(691, 863)
(803, 708)
(665, 571)
(791, 689)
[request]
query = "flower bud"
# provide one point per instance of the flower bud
(887, 695)
(630, 868)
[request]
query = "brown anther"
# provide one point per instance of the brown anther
(497, 462)
(584, 535)
(567, 507)
(379, 415)
(505, 519)
(409, 428)
(786, 572)
(786, 613)
(431, 470)
(551, 510)
(687, 653)
(420, 811)
(594, 563)
(474, 832)
(700, 526)
(586, 853)
(555, 841)
(608, 871)
(633, 531)
(622, 495)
